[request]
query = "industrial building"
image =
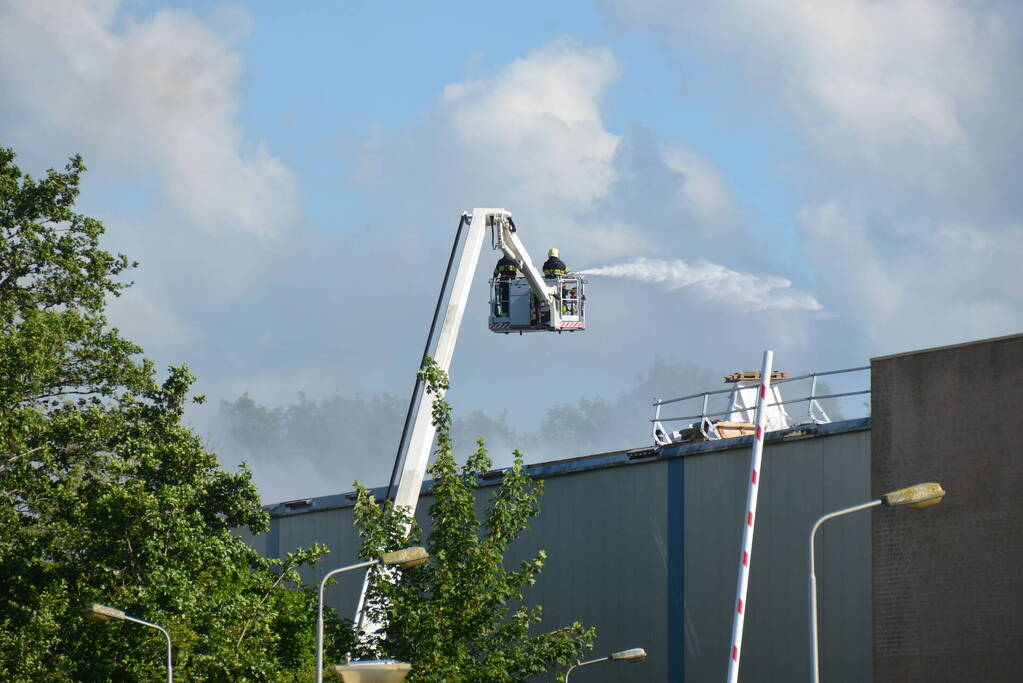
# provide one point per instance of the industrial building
(643, 544)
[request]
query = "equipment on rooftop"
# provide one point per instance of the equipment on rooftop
(742, 403)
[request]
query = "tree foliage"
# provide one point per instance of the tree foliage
(104, 495)
(461, 617)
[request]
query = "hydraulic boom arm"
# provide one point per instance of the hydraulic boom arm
(506, 239)
(423, 431)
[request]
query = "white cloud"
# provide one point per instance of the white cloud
(862, 77)
(937, 283)
(531, 138)
(858, 276)
(714, 283)
(704, 193)
(910, 111)
(140, 318)
(539, 118)
(155, 98)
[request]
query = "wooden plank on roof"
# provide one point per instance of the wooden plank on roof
(753, 376)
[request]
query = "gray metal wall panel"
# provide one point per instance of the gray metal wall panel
(257, 543)
(335, 528)
(844, 562)
(715, 496)
(611, 549)
(801, 480)
(605, 535)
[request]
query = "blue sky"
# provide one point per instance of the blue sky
(830, 180)
(341, 67)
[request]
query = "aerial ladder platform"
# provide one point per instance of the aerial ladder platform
(536, 304)
(531, 303)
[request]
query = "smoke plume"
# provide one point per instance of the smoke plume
(715, 283)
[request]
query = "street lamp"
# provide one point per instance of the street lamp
(404, 558)
(374, 671)
(917, 496)
(104, 613)
(635, 654)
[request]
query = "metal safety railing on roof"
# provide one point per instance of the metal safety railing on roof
(814, 412)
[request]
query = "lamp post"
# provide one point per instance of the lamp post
(636, 654)
(917, 496)
(104, 613)
(404, 558)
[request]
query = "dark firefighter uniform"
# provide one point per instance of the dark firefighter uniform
(554, 266)
(506, 269)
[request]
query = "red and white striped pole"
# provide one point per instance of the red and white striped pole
(749, 522)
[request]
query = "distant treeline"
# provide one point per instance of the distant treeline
(348, 438)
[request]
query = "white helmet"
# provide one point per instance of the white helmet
(553, 252)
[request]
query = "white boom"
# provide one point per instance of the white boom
(413, 472)
(423, 431)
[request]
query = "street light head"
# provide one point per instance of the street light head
(406, 557)
(635, 654)
(916, 496)
(103, 613)
(374, 671)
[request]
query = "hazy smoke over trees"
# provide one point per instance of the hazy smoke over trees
(312, 447)
(319, 447)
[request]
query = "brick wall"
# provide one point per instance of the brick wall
(948, 580)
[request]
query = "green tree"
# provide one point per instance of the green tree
(461, 617)
(104, 495)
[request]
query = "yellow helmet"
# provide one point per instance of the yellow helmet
(553, 252)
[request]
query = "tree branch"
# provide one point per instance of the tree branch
(21, 455)
(245, 627)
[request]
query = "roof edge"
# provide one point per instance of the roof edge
(948, 347)
(556, 468)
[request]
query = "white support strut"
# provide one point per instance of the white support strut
(508, 242)
(423, 431)
(749, 522)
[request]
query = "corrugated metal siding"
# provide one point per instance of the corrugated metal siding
(622, 535)
(801, 480)
(335, 528)
(605, 534)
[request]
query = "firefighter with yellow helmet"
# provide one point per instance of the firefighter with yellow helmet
(554, 266)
